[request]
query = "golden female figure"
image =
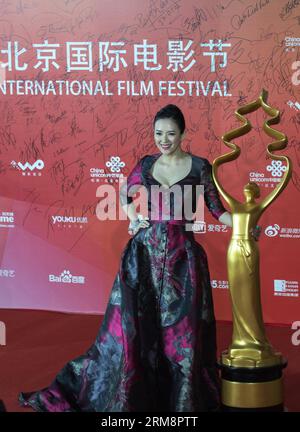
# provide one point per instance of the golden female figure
(250, 346)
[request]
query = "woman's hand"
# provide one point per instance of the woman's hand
(226, 219)
(140, 222)
(255, 232)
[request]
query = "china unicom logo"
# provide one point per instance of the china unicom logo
(272, 230)
(115, 164)
(38, 164)
(276, 168)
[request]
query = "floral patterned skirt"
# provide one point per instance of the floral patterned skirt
(156, 347)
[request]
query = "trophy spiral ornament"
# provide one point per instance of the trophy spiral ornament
(251, 368)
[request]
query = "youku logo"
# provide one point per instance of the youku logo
(28, 168)
(69, 221)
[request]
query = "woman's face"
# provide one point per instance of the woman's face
(167, 135)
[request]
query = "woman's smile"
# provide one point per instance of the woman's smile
(165, 146)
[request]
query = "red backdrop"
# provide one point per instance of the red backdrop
(56, 138)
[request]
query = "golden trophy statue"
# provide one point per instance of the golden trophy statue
(251, 368)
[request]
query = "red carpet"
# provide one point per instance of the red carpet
(39, 343)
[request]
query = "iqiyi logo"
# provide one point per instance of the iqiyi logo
(2, 333)
(276, 168)
(115, 164)
(296, 335)
(272, 230)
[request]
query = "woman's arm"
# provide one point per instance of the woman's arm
(227, 197)
(226, 219)
(130, 211)
(211, 194)
(127, 190)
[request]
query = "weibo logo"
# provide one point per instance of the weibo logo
(272, 230)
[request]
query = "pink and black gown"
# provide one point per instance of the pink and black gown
(156, 347)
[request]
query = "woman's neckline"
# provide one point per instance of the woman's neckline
(156, 157)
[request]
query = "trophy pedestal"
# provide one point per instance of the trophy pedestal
(252, 388)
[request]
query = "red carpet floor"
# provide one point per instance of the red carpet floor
(39, 343)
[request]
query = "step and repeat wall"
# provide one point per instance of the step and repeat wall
(80, 83)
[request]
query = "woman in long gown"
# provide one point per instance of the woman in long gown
(156, 347)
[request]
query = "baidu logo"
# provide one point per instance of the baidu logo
(115, 164)
(272, 230)
(276, 168)
(67, 277)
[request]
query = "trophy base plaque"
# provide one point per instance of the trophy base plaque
(252, 388)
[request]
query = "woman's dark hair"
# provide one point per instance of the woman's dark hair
(171, 112)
